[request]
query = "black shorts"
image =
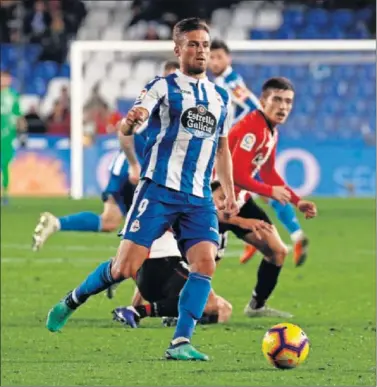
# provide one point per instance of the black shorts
(161, 278)
(250, 210)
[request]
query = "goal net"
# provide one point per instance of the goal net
(319, 146)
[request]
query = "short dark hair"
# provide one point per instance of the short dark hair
(171, 64)
(218, 44)
(279, 83)
(187, 25)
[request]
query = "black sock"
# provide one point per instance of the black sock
(209, 319)
(268, 274)
(143, 310)
(165, 308)
(70, 302)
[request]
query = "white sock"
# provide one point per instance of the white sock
(297, 236)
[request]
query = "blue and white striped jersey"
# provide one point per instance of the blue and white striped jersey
(244, 100)
(186, 118)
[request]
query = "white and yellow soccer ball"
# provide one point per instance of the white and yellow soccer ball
(285, 346)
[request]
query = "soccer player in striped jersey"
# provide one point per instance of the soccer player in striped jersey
(117, 196)
(245, 102)
(188, 122)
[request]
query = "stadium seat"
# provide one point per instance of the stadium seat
(119, 71)
(342, 17)
(114, 32)
(111, 91)
(221, 17)
(46, 70)
(293, 17)
(144, 71)
(65, 70)
(132, 88)
(269, 19)
(318, 16)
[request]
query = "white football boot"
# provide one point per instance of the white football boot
(47, 225)
(265, 311)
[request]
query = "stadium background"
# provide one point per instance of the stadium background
(332, 125)
(327, 148)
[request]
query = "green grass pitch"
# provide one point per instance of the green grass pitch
(332, 297)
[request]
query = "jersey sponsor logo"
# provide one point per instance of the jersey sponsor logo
(248, 142)
(135, 226)
(199, 121)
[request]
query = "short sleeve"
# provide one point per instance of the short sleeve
(227, 124)
(150, 97)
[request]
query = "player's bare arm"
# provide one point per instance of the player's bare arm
(259, 227)
(224, 168)
(128, 146)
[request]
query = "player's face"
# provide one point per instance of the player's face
(277, 105)
(219, 61)
(193, 52)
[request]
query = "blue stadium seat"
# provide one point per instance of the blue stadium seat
(65, 70)
(46, 70)
(259, 34)
(32, 52)
(36, 86)
(293, 17)
(343, 18)
(318, 16)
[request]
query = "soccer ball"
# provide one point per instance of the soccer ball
(285, 346)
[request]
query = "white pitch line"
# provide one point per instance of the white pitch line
(18, 246)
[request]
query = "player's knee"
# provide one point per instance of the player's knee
(280, 252)
(110, 222)
(204, 265)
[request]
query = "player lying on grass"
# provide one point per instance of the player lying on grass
(160, 281)
(187, 130)
(245, 102)
(119, 190)
(251, 225)
(252, 142)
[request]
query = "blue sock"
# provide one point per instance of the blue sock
(192, 302)
(97, 281)
(83, 221)
(287, 215)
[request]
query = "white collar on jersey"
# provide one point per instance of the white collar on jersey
(191, 79)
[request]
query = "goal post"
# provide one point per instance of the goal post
(281, 47)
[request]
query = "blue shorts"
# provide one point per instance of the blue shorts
(156, 208)
(119, 187)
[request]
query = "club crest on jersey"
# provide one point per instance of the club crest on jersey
(199, 121)
(248, 142)
(135, 226)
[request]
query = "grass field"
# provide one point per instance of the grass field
(332, 298)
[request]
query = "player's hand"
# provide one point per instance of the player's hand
(230, 207)
(134, 173)
(281, 194)
(308, 208)
(134, 119)
(257, 227)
